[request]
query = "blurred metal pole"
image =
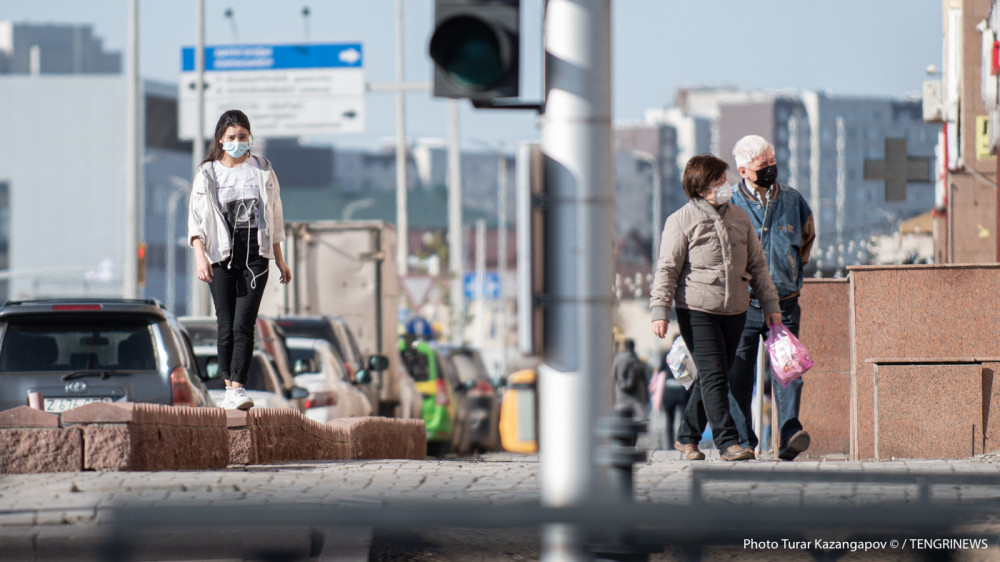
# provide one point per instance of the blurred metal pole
(402, 222)
(456, 242)
(130, 267)
(575, 378)
(502, 259)
(199, 301)
(758, 397)
(181, 188)
(656, 200)
(480, 297)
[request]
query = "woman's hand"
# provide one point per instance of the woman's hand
(283, 269)
(286, 272)
(660, 328)
(773, 318)
(202, 267)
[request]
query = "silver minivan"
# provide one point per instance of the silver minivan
(63, 353)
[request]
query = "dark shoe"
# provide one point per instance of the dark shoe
(796, 444)
(736, 453)
(689, 451)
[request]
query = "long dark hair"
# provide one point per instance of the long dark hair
(231, 117)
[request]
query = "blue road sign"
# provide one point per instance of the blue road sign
(275, 57)
(491, 286)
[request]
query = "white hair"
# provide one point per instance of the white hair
(750, 147)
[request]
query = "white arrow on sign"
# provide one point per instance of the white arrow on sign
(350, 56)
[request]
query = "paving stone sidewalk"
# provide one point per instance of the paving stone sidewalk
(34, 504)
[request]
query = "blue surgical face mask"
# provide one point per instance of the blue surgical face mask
(236, 148)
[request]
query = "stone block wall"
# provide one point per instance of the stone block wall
(127, 436)
(825, 330)
(932, 410)
(136, 436)
(925, 321)
(33, 441)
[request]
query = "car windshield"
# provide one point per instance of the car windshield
(348, 351)
(309, 328)
(303, 354)
(77, 342)
(257, 378)
(203, 335)
(465, 367)
(351, 343)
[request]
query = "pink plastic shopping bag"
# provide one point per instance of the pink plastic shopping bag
(789, 358)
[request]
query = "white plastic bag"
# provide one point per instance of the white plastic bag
(681, 363)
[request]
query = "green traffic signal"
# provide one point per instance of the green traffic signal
(472, 55)
(475, 48)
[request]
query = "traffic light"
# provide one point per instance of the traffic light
(141, 264)
(475, 48)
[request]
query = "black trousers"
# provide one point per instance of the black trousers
(712, 340)
(674, 400)
(237, 287)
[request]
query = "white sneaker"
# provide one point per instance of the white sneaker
(240, 400)
(226, 402)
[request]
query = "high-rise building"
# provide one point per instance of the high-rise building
(54, 49)
(62, 224)
(864, 164)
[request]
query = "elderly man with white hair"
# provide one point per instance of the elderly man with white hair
(784, 223)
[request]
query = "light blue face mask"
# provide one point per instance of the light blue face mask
(235, 148)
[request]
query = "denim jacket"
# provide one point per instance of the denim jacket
(786, 231)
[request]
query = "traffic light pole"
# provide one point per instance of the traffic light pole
(575, 379)
(130, 289)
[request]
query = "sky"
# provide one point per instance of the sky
(848, 47)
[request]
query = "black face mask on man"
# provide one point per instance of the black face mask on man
(767, 176)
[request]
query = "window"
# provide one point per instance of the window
(82, 343)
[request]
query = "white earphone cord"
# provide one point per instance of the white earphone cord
(253, 280)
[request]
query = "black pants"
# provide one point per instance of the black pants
(674, 399)
(742, 378)
(237, 287)
(712, 340)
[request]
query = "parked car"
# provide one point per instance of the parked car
(477, 424)
(263, 383)
(75, 351)
(336, 331)
(422, 363)
(195, 372)
(320, 370)
(268, 338)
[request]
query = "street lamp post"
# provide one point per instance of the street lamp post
(181, 187)
(501, 245)
(657, 203)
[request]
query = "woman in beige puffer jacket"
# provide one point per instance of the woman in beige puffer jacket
(709, 258)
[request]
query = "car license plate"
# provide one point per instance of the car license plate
(63, 404)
